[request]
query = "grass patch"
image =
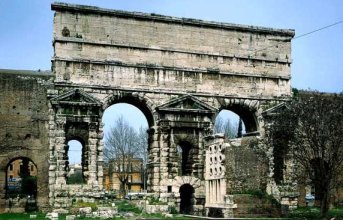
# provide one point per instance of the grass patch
(19, 216)
(314, 213)
(81, 204)
(153, 215)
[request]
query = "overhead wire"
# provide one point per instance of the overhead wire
(319, 29)
(302, 35)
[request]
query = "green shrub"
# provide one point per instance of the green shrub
(305, 213)
(155, 201)
(173, 210)
(314, 213)
(336, 213)
(82, 204)
(76, 178)
(125, 206)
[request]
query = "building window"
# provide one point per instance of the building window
(11, 167)
(32, 168)
(169, 189)
(11, 176)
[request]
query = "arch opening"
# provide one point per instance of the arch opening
(247, 115)
(21, 178)
(135, 102)
(75, 152)
(184, 150)
(125, 148)
(229, 123)
(186, 199)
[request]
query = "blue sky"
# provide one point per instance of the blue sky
(26, 31)
(26, 34)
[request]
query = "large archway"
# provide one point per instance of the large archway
(144, 105)
(186, 199)
(125, 147)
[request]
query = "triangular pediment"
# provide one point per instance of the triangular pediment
(76, 97)
(187, 103)
(275, 110)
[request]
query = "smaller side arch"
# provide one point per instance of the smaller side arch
(186, 199)
(21, 177)
(246, 109)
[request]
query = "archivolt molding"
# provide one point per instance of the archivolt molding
(138, 99)
(15, 155)
(181, 180)
(251, 104)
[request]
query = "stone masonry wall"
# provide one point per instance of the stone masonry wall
(101, 47)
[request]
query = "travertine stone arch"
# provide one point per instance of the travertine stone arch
(196, 184)
(137, 99)
(178, 181)
(247, 109)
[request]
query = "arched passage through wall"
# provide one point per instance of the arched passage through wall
(125, 136)
(21, 177)
(233, 114)
(186, 199)
(184, 149)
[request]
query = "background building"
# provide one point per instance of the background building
(134, 172)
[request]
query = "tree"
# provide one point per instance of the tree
(221, 126)
(122, 145)
(310, 128)
(240, 128)
(142, 138)
(143, 151)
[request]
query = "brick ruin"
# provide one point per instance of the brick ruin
(179, 72)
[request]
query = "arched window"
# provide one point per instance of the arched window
(186, 161)
(75, 162)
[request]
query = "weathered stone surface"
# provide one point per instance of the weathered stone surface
(156, 209)
(52, 216)
(70, 217)
(85, 210)
(179, 72)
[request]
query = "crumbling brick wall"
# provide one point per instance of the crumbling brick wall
(24, 125)
(246, 166)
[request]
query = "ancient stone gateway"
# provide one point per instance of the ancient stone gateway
(179, 72)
